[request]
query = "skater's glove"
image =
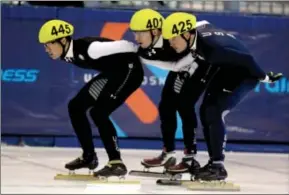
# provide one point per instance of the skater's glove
(271, 77)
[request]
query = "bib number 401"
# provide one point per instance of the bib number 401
(154, 23)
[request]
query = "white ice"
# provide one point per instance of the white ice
(31, 170)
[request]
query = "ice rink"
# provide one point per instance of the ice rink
(31, 170)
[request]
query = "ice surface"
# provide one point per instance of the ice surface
(31, 170)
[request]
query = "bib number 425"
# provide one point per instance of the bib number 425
(182, 27)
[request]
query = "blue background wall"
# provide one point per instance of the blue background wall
(35, 89)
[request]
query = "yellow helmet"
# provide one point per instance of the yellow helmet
(146, 19)
(178, 23)
(54, 29)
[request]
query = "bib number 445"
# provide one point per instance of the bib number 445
(61, 29)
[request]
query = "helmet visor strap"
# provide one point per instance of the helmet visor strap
(63, 47)
(153, 37)
(187, 41)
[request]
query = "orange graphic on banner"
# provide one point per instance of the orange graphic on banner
(139, 102)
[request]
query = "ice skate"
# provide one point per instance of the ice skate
(113, 168)
(165, 160)
(212, 177)
(187, 165)
(212, 172)
(88, 161)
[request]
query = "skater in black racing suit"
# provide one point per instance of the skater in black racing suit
(183, 87)
(120, 75)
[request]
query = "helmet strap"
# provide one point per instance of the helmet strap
(187, 42)
(153, 37)
(63, 47)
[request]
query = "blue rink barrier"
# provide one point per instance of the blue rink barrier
(138, 144)
(36, 90)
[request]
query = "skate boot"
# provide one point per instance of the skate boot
(212, 172)
(206, 166)
(188, 164)
(85, 161)
(165, 159)
(113, 168)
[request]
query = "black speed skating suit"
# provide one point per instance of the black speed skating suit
(120, 75)
(178, 94)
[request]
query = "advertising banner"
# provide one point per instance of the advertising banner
(36, 89)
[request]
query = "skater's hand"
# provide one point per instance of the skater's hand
(187, 71)
(184, 75)
(271, 77)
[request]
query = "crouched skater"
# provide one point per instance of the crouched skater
(236, 74)
(120, 74)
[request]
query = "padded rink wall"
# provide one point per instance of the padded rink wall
(36, 90)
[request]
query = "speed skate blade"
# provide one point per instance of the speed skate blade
(173, 182)
(75, 177)
(149, 174)
(213, 186)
